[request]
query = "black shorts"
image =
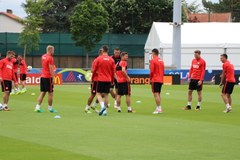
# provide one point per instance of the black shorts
(193, 85)
(103, 87)
(6, 85)
(156, 87)
(93, 87)
(228, 87)
(46, 84)
(124, 89)
(115, 84)
(23, 77)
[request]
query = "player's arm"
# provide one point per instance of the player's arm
(14, 77)
(222, 76)
(203, 68)
(125, 73)
(151, 70)
(113, 71)
(1, 66)
(51, 68)
(190, 72)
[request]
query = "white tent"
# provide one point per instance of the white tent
(212, 39)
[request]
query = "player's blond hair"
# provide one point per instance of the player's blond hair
(49, 47)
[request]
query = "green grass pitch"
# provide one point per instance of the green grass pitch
(208, 134)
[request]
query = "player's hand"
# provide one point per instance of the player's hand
(200, 83)
(129, 79)
(189, 79)
(220, 85)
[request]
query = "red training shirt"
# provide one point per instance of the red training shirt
(46, 61)
(23, 67)
(6, 70)
(228, 70)
(120, 76)
(156, 70)
(104, 68)
(197, 70)
(15, 64)
(94, 76)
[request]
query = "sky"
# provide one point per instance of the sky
(15, 5)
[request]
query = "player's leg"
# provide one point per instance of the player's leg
(128, 102)
(113, 94)
(118, 97)
(128, 96)
(43, 89)
(6, 95)
(39, 102)
(90, 99)
(156, 89)
(199, 100)
(229, 99)
(23, 82)
(50, 86)
(6, 88)
(17, 90)
(99, 95)
(50, 102)
(13, 89)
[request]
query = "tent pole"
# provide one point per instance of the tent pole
(176, 45)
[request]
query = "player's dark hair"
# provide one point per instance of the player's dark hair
(105, 48)
(123, 54)
(198, 52)
(224, 55)
(117, 48)
(155, 51)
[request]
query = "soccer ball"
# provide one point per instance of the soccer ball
(1, 107)
(29, 68)
(105, 113)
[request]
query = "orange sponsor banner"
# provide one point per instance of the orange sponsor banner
(167, 80)
(34, 79)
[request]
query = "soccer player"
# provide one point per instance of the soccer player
(93, 88)
(156, 78)
(6, 77)
(46, 82)
(105, 69)
(23, 73)
(123, 82)
(15, 89)
(117, 58)
(195, 78)
(228, 77)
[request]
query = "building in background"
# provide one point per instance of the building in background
(10, 23)
(212, 17)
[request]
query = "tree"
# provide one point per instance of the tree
(89, 22)
(56, 18)
(136, 16)
(193, 7)
(232, 6)
(29, 38)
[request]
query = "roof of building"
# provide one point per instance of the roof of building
(214, 17)
(12, 16)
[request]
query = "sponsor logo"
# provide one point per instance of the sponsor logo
(34, 79)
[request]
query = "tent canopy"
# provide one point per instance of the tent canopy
(212, 35)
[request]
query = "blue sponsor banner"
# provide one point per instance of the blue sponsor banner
(84, 75)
